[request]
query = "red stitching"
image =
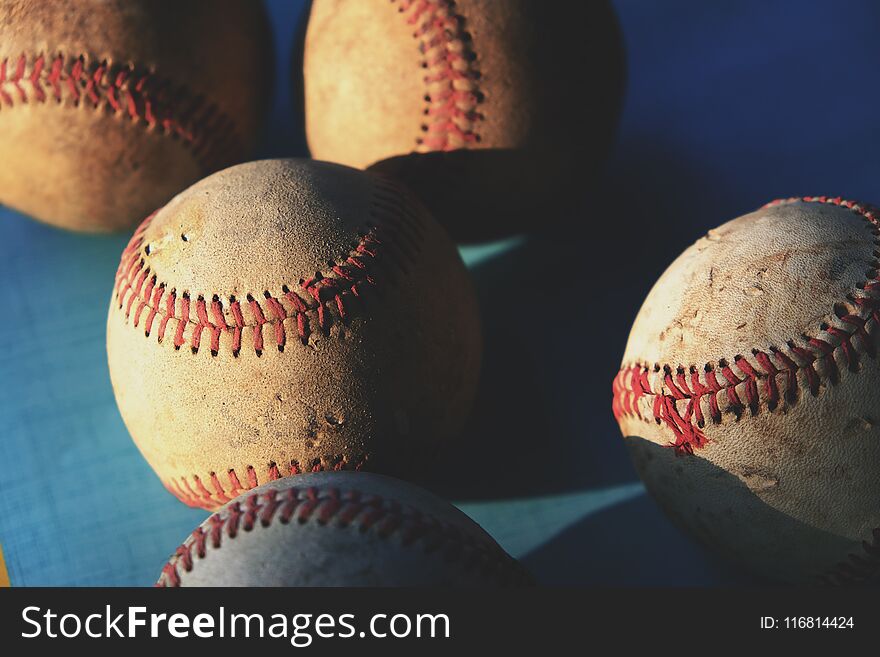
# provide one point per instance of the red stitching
(452, 94)
(195, 492)
(141, 96)
(369, 513)
(335, 294)
(849, 339)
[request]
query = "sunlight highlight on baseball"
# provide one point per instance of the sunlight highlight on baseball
(289, 316)
(110, 107)
(494, 113)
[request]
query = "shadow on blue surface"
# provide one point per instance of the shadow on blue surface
(556, 313)
(628, 544)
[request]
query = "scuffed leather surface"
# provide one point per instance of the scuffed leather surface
(788, 492)
(390, 384)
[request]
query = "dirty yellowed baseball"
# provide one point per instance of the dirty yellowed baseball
(110, 107)
(495, 113)
(289, 316)
(749, 393)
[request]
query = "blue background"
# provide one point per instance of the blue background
(728, 106)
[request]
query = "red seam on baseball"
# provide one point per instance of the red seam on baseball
(323, 506)
(193, 491)
(140, 96)
(452, 93)
(380, 252)
(632, 381)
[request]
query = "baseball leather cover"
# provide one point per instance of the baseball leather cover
(495, 113)
(110, 107)
(288, 316)
(749, 392)
(341, 529)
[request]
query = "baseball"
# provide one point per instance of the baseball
(110, 107)
(289, 316)
(494, 113)
(749, 393)
(340, 529)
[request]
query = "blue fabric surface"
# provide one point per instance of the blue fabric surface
(729, 105)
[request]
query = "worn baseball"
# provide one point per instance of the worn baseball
(340, 529)
(495, 113)
(110, 107)
(290, 316)
(749, 393)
